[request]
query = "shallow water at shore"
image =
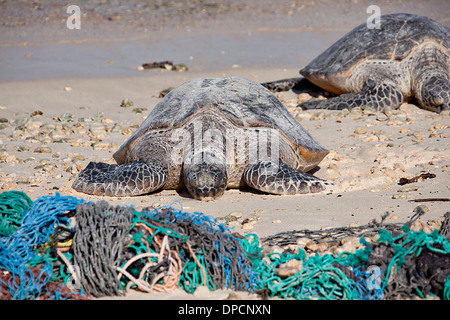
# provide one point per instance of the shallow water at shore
(116, 37)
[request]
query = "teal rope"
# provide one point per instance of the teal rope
(447, 289)
(13, 205)
(418, 241)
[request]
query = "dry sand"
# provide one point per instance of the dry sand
(54, 123)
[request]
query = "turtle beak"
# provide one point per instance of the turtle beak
(208, 194)
(206, 182)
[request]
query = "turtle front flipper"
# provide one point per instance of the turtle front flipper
(377, 96)
(279, 178)
(114, 180)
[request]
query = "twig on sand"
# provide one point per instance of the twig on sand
(430, 200)
(420, 178)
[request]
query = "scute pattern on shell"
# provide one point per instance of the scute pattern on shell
(243, 102)
(398, 36)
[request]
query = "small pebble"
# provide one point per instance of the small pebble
(10, 158)
(394, 123)
(382, 117)
(303, 97)
(78, 158)
(126, 103)
(236, 214)
(228, 218)
(157, 205)
(322, 246)
(57, 134)
(23, 148)
(127, 131)
(247, 226)
(37, 113)
(272, 249)
(164, 92)
(139, 110)
(107, 121)
(180, 67)
(361, 130)
(21, 121)
(437, 126)
(65, 117)
(43, 150)
(408, 189)
(301, 242)
(312, 245)
(289, 268)
(233, 224)
(347, 247)
(101, 146)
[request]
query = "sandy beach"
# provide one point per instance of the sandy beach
(62, 94)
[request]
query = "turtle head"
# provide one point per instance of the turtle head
(435, 94)
(205, 181)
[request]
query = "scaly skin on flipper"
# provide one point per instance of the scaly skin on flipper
(131, 179)
(279, 178)
(376, 96)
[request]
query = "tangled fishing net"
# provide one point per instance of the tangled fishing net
(32, 244)
(66, 248)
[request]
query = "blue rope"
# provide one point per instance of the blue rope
(369, 285)
(17, 250)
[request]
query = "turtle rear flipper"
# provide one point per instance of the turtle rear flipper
(283, 85)
(377, 96)
(114, 180)
(298, 84)
(279, 178)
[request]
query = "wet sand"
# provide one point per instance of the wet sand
(117, 36)
(61, 94)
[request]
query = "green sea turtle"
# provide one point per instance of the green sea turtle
(207, 135)
(407, 57)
